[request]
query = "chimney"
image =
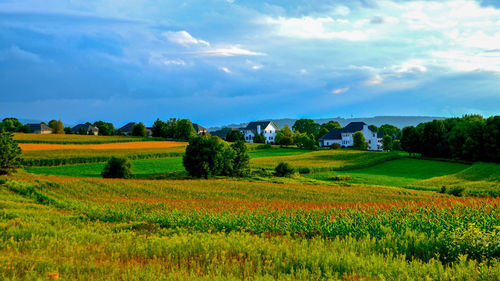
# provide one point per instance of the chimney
(258, 129)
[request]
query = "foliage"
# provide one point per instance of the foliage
(335, 146)
(387, 143)
(373, 128)
(57, 126)
(283, 169)
(68, 130)
(117, 167)
(184, 130)
(82, 131)
(284, 136)
(11, 125)
(264, 146)
(9, 153)
(304, 170)
(390, 130)
(234, 135)
(208, 156)
(307, 126)
(359, 141)
(105, 128)
(241, 160)
(410, 141)
(327, 127)
(159, 129)
(259, 138)
(76, 139)
(396, 145)
(304, 141)
(139, 130)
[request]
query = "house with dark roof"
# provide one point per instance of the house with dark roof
(344, 136)
(40, 129)
(127, 129)
(266, 128)
(199, 129)
(85, 129)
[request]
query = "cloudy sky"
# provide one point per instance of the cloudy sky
(224, 61)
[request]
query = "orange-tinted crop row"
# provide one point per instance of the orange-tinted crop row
(117, 145)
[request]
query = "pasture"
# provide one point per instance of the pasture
(356, 215)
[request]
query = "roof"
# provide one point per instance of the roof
(39, 127)
(334, 134)
(199, 128)
(85, 127)
(252, 126)
(352, 127)
(127, 127)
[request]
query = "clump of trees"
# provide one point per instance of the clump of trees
(118, 167)
(105, 128)
(56, 126)
(387, 143)
(139, 130)
(208, 156)
(359, 141)
(470, 138)
(10, 153)
(181, 129)
(13, 125)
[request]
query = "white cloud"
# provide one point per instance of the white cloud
(376, 79)
(340, 90)
(316, 28)
(184, 38)
(230, 51)
(175, 61)
(225, 69)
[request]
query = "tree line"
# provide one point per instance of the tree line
(470, 138)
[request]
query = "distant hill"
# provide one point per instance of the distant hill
(398, 121)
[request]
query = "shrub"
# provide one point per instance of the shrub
(241, 160)
(340, 178)
(139, 130)
(259, 138)
(264, 146)
(457, 191)
(117, 167)
(10, 153)
(208, 156)
(2, 181)
(304, 170)
(283, 170)
(335, 146)
(359, 141)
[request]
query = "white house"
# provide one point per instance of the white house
(344, 136)
(267, 128)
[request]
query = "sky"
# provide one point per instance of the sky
(218, 62)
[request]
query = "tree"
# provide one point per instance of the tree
(390, 130)
(170, 127)
(105, 128)
(159, 129)
(410, 140)
(139, 130)
(433, 140)
(396, 145)
(82, 131)
(117, 167)
(284, 136)
(373, 128)
(10, 125)
(387, 143)
(10, 153)
(359, 141)
(307, 126)
(491, 138)
(58, 127)
(234, 135)
(52, 123)
(259, 138)
(241, 160)
(284, 169)
(286, 140)
(184, 130)
(304, 141)
(208, 156)
(68, 130)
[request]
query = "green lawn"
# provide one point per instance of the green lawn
(398, 173)
(276, 152)
(141, 168)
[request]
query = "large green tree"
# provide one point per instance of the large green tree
(208, 156)
(410, 140)
(11, 125)
(139, 130)
(159, 129)
(184, 130)
(359, 141)
(57, 127)
(10, 153)
(387, 143)
(307, 126)
(241, 160)
(105, 128)
(390, 130)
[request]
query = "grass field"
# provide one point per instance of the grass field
(141, 168)
(400, 172)
(223, 230)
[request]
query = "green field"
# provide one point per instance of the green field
(76, 139)
(356, 215)
(141, 168)
(398, 173)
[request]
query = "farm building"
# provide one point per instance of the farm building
(40, 129)
(267, 128)
(127, 129)
(344, 136)
(85, 129)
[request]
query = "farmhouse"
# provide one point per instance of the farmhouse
(199, 129)
(40, 129)
(85, 128)
(267, 128)
(344, 136)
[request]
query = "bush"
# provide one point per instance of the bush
(259, 138)
(264, 146)
(304, 170)
(118, 167)
(283, 170)
(241, 160)
(456, 191)
(10, 153)
(359, 141)
(2, 181)
(139, 130)
(335, 146)
(340, 178)
(208, 156)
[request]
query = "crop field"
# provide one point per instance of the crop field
(75, 228)
(75, 139)
(115, 145)
(327, 160)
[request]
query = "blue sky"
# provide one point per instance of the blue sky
(225, 61)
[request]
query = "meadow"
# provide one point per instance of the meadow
(353, 216)
(76, 139)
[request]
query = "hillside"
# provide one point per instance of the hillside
(398, 121)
